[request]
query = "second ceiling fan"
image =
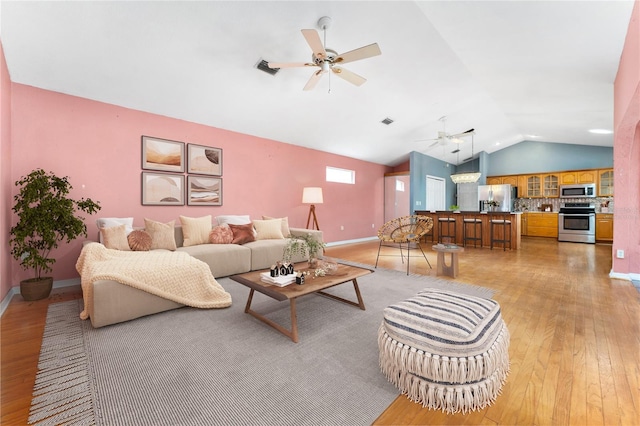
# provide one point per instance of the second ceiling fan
(327, 59)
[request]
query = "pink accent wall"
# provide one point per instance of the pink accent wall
(5, 173)
(626, 152)
(98, 146)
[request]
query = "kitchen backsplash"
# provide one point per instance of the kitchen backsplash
(535, 204)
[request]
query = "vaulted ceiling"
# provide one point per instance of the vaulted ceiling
(512, 70)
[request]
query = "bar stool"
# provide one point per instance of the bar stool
(506, 235)
(475, 223)
(446, 221)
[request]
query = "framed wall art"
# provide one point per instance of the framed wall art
(204, 160)
(204, 191)
(162, 189)
(162, 155)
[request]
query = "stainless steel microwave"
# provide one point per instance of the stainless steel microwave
(579, 190)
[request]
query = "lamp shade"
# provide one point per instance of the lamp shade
(312, 195)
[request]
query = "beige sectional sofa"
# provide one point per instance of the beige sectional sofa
(113, 302)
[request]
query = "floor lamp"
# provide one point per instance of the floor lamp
(313, 196)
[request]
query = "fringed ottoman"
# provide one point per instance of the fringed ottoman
(446, 350)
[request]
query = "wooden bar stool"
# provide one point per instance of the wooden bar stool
(506, 233)
(447, 222)
(475, 224)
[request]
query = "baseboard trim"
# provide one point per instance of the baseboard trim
(16, 291)
(357, 240)
(628, 277)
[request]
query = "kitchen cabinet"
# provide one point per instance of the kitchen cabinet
(604, 227)
(514, 180)
(524, 221)
(543, 224)
(550, 185)
(605, 183)
(534, 188)
(580, 176)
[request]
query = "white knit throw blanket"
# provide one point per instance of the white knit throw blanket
(172, 275)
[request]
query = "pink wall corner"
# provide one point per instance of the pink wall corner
(626, 153)
(99, 147)
(5, 174)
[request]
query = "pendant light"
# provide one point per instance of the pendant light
(467, 177)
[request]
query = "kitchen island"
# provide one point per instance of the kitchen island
(514, 217)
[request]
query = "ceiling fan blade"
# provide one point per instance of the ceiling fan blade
(315, 77)
(357, 54)
(290, 64)
(349, 76)
(314, 42)
(468, 132)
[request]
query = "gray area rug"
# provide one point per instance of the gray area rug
(224, 367)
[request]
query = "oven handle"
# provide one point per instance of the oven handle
(576, 214)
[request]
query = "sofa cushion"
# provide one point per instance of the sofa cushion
(221, 234)
(115, 237)
(195, 230)
(162, 234)
(242, 233)
(223, 259)
(139, 240)
(268, 229)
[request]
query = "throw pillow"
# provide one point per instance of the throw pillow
(221, 234)
(107, 222)
(139, 240)
(268, 229)
(162, 234)
(115, 237)
(233, 219)
(195, 230)
(285, 224)
(242, 233)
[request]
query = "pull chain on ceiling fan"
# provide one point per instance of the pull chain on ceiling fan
(327, 59)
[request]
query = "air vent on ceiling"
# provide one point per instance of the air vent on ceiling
(264, 66)
(387, 121)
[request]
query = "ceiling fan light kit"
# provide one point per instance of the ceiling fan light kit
(326, 59)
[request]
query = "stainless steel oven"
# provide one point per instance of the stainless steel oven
(577, 223)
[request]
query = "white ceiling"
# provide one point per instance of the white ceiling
(509, 69)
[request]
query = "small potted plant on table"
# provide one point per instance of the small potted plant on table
(305, 245)
(46, 216)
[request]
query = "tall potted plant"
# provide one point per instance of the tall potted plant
(46, 216)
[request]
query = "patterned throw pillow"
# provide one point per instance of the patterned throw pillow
(221, 234)
(139, 240)
(242, 233)
(115, 237)
(162, 234)
(195, 230)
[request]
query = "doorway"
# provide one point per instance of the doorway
(436, 193)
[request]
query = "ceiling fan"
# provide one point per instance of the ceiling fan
(445, 138)
(327, 59)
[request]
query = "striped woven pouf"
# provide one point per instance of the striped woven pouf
(445, 350)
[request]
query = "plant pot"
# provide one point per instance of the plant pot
(313, 263)
(36, 288)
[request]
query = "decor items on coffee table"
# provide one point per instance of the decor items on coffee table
(291, 292)
(445, 350)
(405, 230)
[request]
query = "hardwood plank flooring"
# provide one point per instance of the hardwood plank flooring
(575, 336)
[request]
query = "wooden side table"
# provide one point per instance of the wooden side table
(442, 268)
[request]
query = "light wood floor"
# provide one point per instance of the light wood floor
(575, 338)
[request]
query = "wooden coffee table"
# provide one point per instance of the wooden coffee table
(291, 292)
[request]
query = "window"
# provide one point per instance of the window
(340, 175)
